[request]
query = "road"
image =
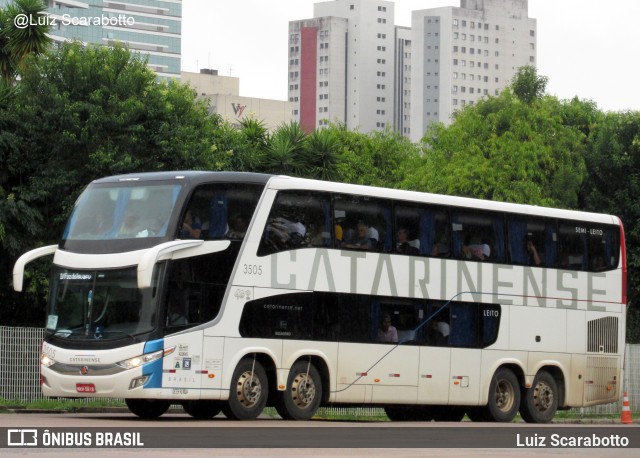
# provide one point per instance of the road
(178, 434)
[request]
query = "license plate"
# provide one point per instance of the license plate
(85, 388)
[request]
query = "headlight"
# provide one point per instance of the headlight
(138, 361)
(45, 360)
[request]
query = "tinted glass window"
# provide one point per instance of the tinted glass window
(532, 241)
(421, 230)
(297, 220)
(478, 236)
(219, 211)
(362, 223)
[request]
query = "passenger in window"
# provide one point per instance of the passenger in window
(178, 308)
(475, 250)
(387, 332)
(598, 264)
(238, 227)
(403, 245)
(440, 248)
(438, 333)
(191, 227)
(534, 257)
(283, 233)
(362, 240)
(316, 235)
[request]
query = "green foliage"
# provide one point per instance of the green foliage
(504, 149)
(612, 185)
(16, 42)
(79, 114)
(375, 159)
(527, 85)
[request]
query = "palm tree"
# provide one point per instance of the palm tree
(286, 152)
(16, 42)
(323, 148)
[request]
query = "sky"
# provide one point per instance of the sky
(587, 48)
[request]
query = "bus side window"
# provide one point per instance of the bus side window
(297, 220)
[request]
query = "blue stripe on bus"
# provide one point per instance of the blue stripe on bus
(153, 369)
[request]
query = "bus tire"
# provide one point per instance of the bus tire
(248, 392)
(504, 396)
(301, 399)
(540, 402)
(149, 409)
(202, 410)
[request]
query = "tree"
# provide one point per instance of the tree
(17, 41)
(527, 85)
(375, 159)
(504, 149)
(612, 186)
(286, 151)
(79, 114)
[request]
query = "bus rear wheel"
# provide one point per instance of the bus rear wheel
(149, 409)
(202, 410)
(540, 402)
(248, 392)
(301, 399)
(504, 396)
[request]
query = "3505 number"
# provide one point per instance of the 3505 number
(252, 269)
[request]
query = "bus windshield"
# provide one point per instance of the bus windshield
(99, 305)
(122, 212)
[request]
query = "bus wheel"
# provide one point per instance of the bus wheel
(202, 410)
(301, 399)
(148, 409)
(540, 402)
(249, 391)
(504, 396)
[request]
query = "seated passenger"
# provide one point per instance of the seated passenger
(403, 246)
(386, 332)
(237, 227)
(283, 233)
(476, 251)
(438, 333)
(191, 227)
(362, 240)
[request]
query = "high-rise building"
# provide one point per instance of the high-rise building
(341, 65)
(152, 28)
(350, 63)
(463, 54)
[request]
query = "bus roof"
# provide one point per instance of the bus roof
(283, 182)
(193, 177)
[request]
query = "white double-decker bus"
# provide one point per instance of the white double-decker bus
(232, 291)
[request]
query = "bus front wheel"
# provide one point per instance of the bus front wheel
(540, 402)
(301, 399)
(202, 410)
(504, 396)
(248, 392)
(148, 409)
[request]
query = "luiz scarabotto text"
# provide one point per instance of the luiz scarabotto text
(560, 440)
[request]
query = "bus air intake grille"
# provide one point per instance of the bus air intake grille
(603, 335)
